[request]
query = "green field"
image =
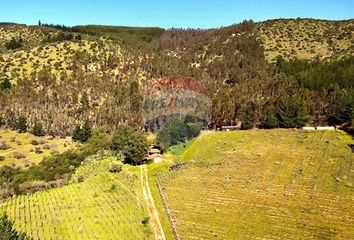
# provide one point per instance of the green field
(278, 184)
(30, 149)
(97, 204)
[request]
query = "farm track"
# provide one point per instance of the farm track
(150, 206)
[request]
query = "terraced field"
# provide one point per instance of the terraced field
(264, 185)
(97, 204)
(24, 149)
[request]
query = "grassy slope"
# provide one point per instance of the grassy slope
(103, 206)
(23, 145)
(265, 184)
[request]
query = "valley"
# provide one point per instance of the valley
(243, 131)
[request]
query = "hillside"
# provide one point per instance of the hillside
(103, 73)
(306, 39)
(273, 184)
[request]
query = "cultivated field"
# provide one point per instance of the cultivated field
(275, 184)
(97, 204)
(24, 149)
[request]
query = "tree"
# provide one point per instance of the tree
(21, 124)
(39, 23)
(270, 122)
(86, 131)
(38, 129)
(293, 113)
(83, 133)
(174, 132)
(131, 143)
(7, 230)
(76, 136)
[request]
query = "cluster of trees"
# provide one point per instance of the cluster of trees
(126, 143)
(329, 86)
(175, 132)
(62, 36)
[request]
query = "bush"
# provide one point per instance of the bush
(21, 124)
(34, 142)
(131, 143)
(38, 130)
(13, 44)
(2, 158)
(4, 145)
(115, 167)
(18, 155)
(38, 150)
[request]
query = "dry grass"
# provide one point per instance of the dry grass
(34, 149)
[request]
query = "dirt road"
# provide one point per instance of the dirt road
(151, 209)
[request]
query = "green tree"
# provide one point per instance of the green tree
(86, 131)
(38, 129)
(8, 231)
(76, 136)
(83, 133)
(21, 124)
(293, 113)
(131, 143)
(172, 133)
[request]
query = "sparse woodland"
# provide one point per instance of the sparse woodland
(83, 75)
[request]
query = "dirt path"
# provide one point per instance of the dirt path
(153, 214)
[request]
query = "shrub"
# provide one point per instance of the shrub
(115, 167)
(38, 150)
(34, 142)
(18, 155)
(146, 221)
(4, 145)
(38, 130)
(2, 158)
(21, 124)
(13, 44)
(131, 143)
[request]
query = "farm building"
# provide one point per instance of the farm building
(154, 155)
